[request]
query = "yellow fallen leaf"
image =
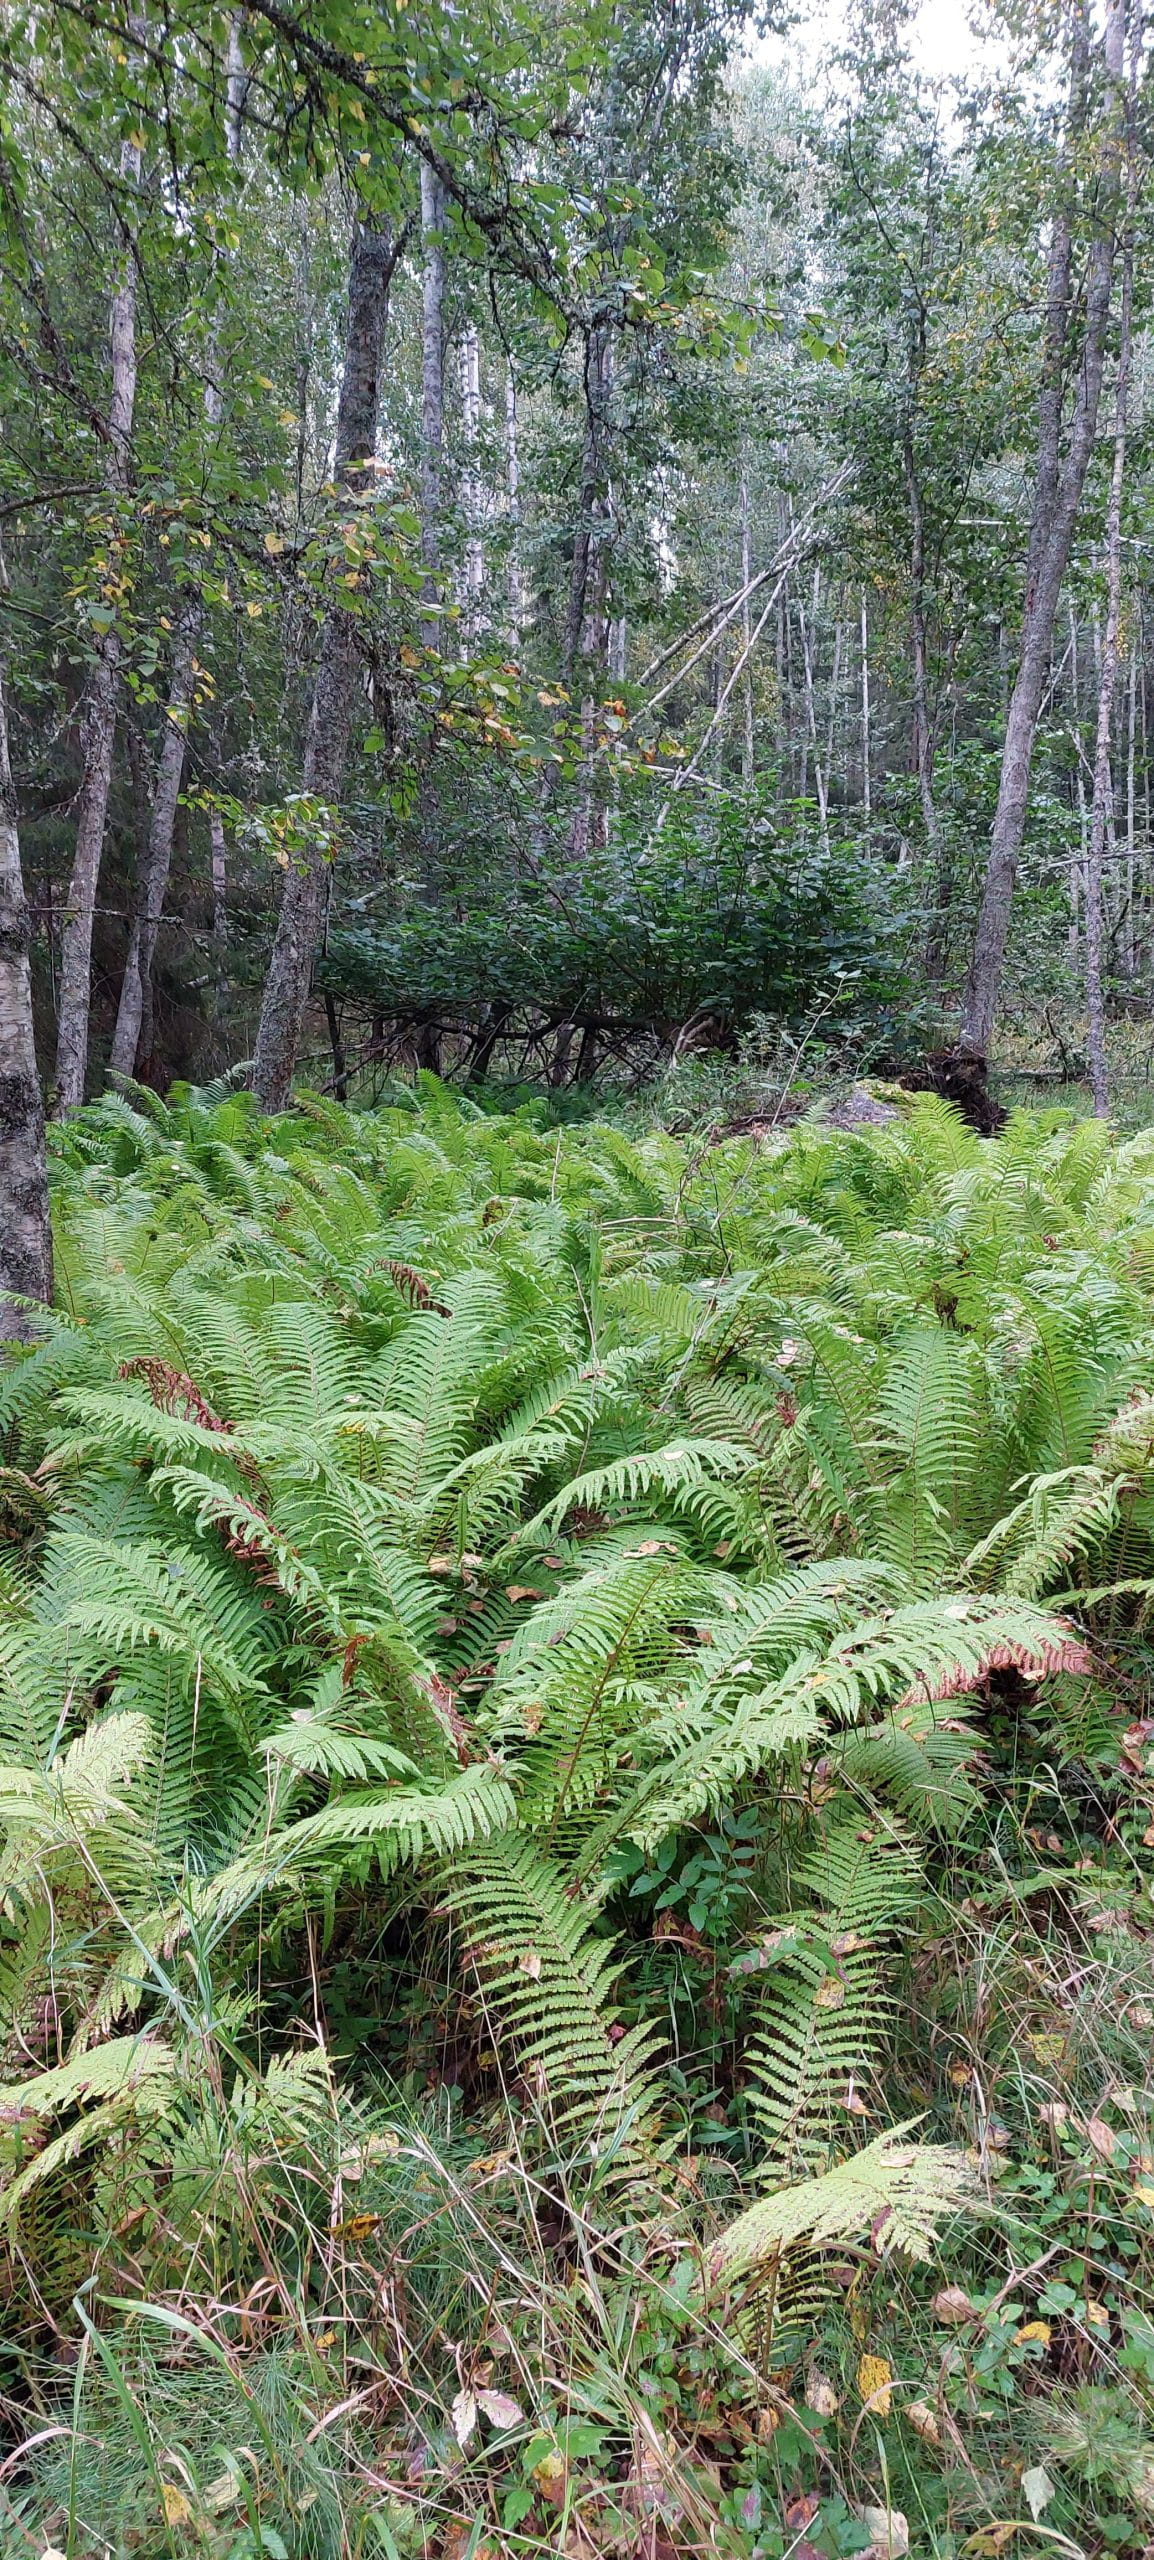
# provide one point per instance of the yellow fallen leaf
(176, 2507)
(874, 2377)
(1034, 2329)
(1145, 2195)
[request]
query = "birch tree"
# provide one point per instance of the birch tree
(25, 1232)
(1073, 363)
(99, 727)
(374, 255)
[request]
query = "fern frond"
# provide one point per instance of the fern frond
(896, 2190)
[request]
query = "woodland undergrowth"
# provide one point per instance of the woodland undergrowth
(575, 1942)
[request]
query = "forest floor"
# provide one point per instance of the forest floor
(577, 1951)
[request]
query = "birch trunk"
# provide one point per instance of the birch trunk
(25, 1233)
(100, 713)
(474, 541)
(432, 386)
(1059, 481)
(513, 496)
(1102, 807)
(866, 789)
(746, 628)
(432, 460)
(586, 582)
(286, 993)
(923, 740)
(219, 879)
(133, 1034)
(587, 626)
(134, 1012)
(1128, 951)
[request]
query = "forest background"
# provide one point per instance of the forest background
(576, 1500)
(546, 605)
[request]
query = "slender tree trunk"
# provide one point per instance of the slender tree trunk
(100, 711)
(133, 1032)
(286, 994)
(834, 687)
(219, 879)
(135, 1007)
(1077, 869)
(432, 386)
(474, 581)
(866, 787)
(513, 497)
(25, 1233)
(588, 624)
(747, 741)
(923, 740)
(1128, 951)
(811, 708)
(586, 582)
(432, 467)
(1059, 483)
(1102, 810)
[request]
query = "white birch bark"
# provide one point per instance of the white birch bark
(100, 708)
(25, 1232)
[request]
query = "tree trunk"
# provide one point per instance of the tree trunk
(470, 353)
(286, 994)
(25, 1233)
(432, 386)
(133, 1032)
(587, 576)
(923, 741)
(1058, 489)
(219, 879)
(100, 714)
(134, 1013)
(747, 741)
(513, 495)
(1102, 809)
(866, 791)
(432, 461)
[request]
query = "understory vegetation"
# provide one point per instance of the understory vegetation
(575, 1954)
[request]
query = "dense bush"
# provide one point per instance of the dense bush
(712, 916)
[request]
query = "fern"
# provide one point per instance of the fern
(896, 2190)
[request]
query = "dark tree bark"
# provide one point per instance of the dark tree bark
(134, 1012)
(25, 1233)
(286, 994)
(1059, 481)
(587, 579)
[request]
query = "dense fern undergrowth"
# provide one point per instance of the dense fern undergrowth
(575, 1951)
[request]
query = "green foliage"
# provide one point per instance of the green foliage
(548, 1594)
(721, 913)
